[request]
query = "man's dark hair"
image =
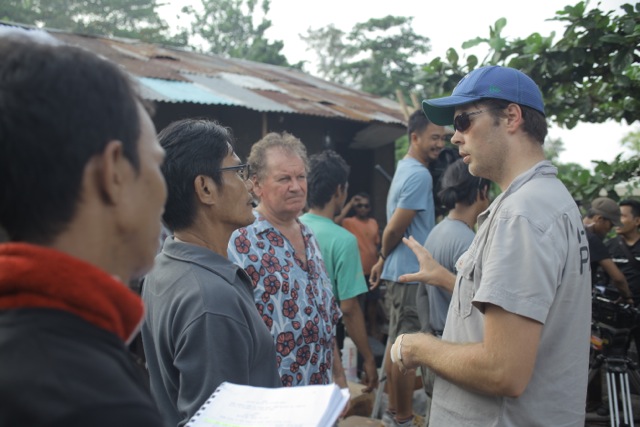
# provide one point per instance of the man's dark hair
(192, 147)
(633, 204)
(59, 107)
(418, 122)
(447, 156)
(364, 195)
(535, 124)
(328, 170)
(459, 186)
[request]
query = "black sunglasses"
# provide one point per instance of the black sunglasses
(243, 170)
(361, 205)
(462, 122)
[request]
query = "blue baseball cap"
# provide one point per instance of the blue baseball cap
(485, 82)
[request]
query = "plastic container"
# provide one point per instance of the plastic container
(350, 360)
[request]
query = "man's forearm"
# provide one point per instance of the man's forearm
(354, 322)
(390, 239)
(500, 365)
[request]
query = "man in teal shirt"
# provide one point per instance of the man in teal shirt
(327, 192)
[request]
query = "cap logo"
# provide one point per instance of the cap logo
(494, 89)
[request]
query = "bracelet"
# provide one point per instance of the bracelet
(384, 258)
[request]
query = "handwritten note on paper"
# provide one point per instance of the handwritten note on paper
(233, 405)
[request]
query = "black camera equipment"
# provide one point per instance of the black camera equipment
(611, 327)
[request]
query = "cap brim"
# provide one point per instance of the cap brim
(440, 111)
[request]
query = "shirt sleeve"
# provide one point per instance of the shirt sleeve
(597, 250)
(416, 191)
(348, 275)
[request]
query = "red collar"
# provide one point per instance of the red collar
(34, 276)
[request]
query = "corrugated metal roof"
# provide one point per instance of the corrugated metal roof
(240, 95)
(171, 91)
(174, 75)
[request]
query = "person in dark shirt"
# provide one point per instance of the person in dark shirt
(601, 217)
(202, 327)
(81, 203)
(625, 248)
(625, 252)
(603, 214)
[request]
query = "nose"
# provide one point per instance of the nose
(295, 186)
(248, 183)
(456, 138)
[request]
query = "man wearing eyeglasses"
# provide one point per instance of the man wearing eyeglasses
(410, 211)
(515, 347)
(202, 327)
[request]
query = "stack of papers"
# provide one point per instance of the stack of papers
(233, 405)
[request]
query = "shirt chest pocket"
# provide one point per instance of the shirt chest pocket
(465, 289)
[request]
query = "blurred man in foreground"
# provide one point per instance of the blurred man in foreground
(81, 203)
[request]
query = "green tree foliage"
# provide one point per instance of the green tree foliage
(377, 56)
(591, 74)
(228, 27)
(585, 186)
(115, 18)
(632, 141)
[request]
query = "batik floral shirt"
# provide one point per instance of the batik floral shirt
(297, 305)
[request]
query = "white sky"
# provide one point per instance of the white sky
(449, 24)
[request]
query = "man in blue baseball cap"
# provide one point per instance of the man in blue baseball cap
(515, 347)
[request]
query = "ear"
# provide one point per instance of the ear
(257, 187)
(514, 117)
(483, 193)
(111, 169)
(206, 190)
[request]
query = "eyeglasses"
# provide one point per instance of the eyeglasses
(462, 121)
(243, 170)
(361, 205)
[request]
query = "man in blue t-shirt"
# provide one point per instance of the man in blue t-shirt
(410, 212)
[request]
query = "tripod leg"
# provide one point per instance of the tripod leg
(626, 396)
(375, 413)
(613, 400)
(635, 378)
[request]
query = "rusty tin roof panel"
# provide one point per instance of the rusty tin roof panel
(173, 91)
(208, 78)
(240, 95)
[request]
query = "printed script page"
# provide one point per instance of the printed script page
(234, 405)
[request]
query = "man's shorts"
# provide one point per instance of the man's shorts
(401, 302)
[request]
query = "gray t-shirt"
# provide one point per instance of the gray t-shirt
(530, 257)
(201, 328)
(446, 242)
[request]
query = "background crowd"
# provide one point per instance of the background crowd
(263, 273)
